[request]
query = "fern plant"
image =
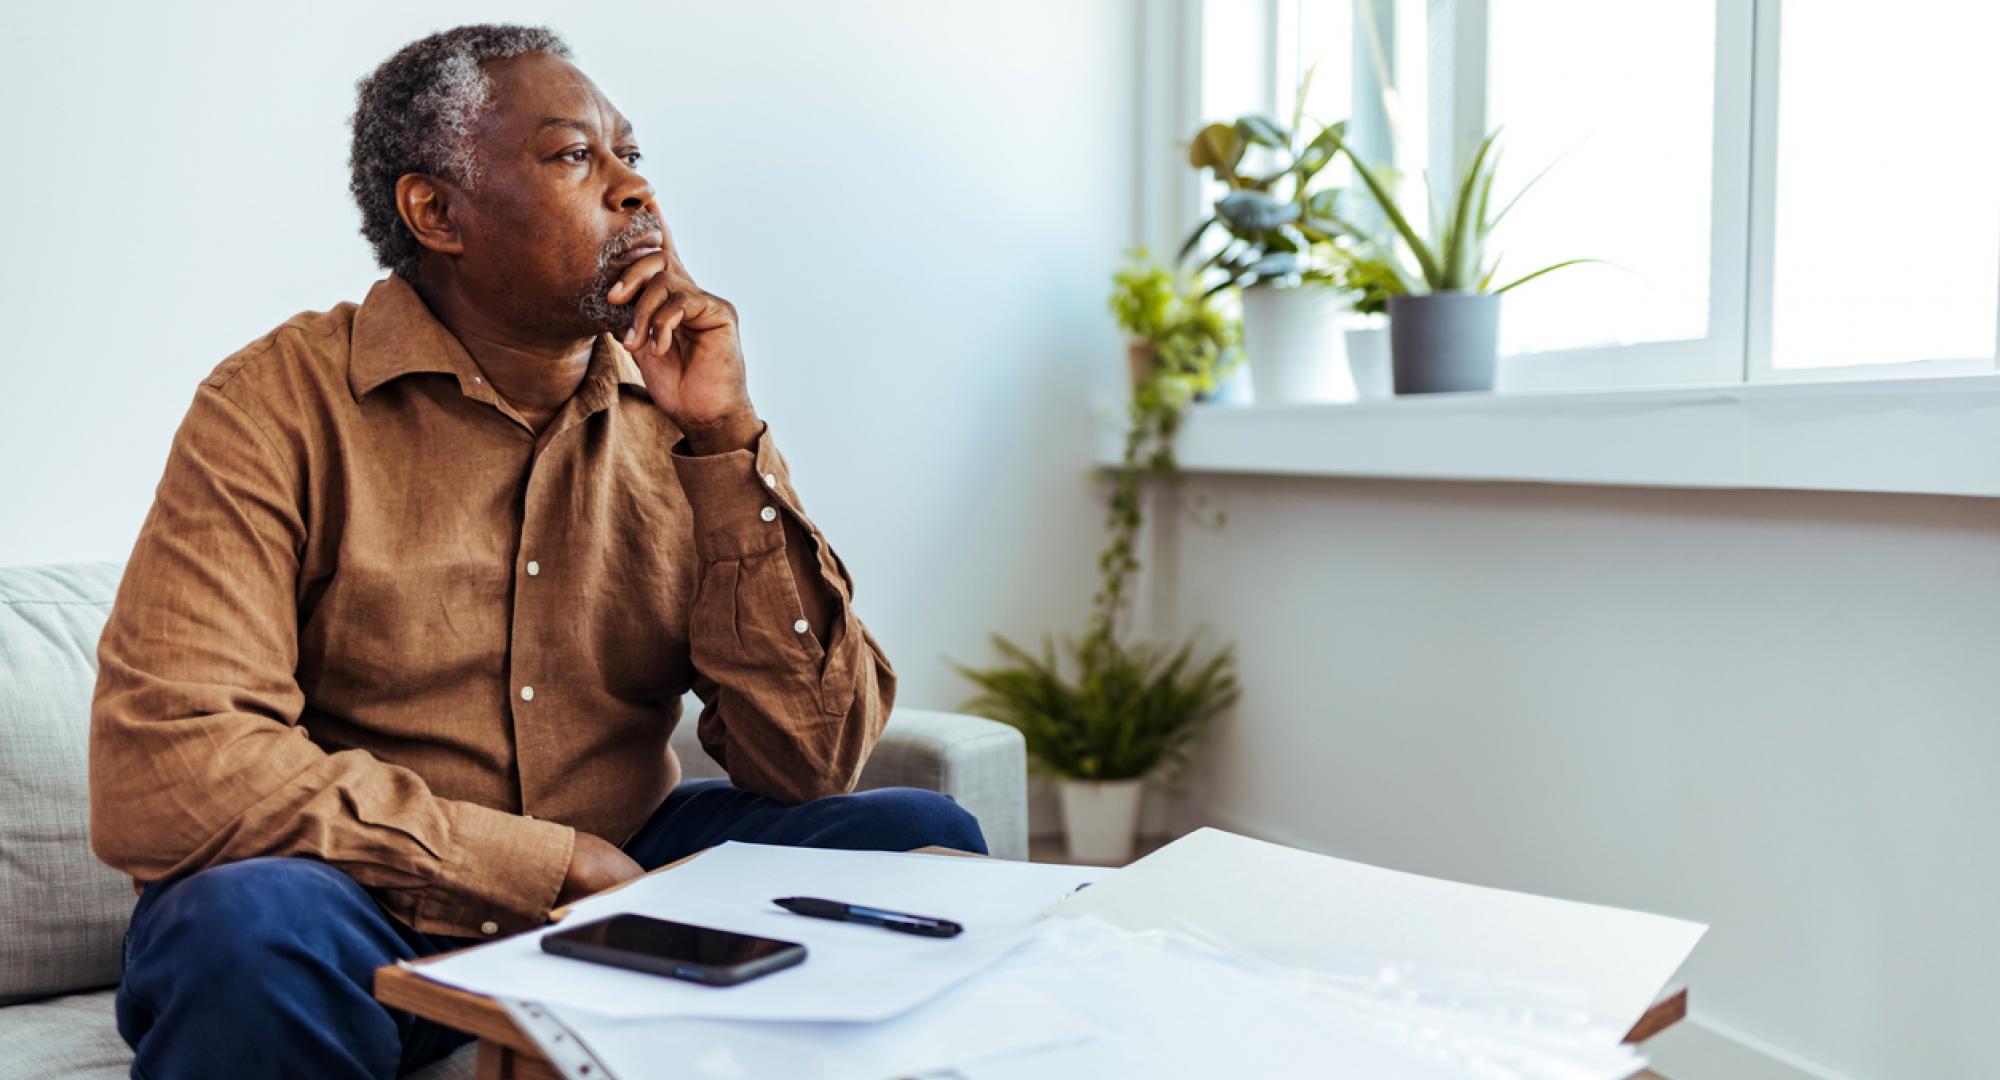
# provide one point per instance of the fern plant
(1128, 711)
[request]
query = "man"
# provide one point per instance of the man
(395, 659)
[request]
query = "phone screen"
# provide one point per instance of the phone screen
(676, 941)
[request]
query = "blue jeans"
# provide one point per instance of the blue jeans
(265, 967)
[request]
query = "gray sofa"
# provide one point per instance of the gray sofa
(63, 914)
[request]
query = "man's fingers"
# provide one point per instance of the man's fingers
(662, 323)
(656, 292)
(636, 277)
(662, 293)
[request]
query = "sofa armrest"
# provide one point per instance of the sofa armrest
(982, 764)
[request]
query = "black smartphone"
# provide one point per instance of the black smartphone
(700, 954)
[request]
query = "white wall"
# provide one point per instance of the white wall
(1773, 712)
(915, 206)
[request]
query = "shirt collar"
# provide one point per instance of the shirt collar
(628, 368)
(395, 334)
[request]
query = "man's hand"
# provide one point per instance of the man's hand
(595, 864)
(687, 347)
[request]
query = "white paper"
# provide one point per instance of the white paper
(1169, 1007)
(971, 1022)
(851, 972)
(1296, 908)
(1083, 998)
(984, 895)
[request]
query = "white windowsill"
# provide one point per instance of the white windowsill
(1923, 435)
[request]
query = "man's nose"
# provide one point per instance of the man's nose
(637, 200)
(632, 192)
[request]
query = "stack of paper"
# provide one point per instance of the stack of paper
(1603, 965)
(1168, 1007)
(1227, 955)
(975, 1021)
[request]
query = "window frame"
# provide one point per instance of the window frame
(1759, 355)
(1737, 349)
(1718, 356)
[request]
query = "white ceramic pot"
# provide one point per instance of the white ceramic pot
(1292, 337)
(1101, 819)
(1368, 362)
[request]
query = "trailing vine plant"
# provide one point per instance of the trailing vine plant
(1195, 345)
(1129, 708)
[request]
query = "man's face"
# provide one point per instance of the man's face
(559, 208)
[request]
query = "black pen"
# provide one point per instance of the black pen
(901, 922)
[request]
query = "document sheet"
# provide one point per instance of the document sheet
(851, 972)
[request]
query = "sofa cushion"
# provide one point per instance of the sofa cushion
(62, 913)
(65, 1038)
(76, 1038)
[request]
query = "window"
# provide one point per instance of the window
(1885, 222)
(1795, 193)
(1617, 102)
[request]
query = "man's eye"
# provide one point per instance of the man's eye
(634, 158)
(579, 155)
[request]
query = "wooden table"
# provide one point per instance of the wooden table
(507, 1053)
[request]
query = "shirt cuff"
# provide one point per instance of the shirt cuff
(738, 498)
(502, 873)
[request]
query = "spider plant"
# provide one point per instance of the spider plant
(1455, 261)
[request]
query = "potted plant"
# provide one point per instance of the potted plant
(1375, 281)
(1277, 230)
(1172, 328)
(1128, 710)
(1444, 322)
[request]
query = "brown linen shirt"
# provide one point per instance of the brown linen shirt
(375, 620)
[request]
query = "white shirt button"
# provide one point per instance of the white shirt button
(534, 568)
(801, 626)
(489, 927)
(527, 693)
(770, 480)
(768, 514)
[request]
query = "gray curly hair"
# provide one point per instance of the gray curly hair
(415, 113)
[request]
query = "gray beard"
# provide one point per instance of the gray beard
(598, 310)
(594, 302)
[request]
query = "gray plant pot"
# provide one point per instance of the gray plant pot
(1444, 342)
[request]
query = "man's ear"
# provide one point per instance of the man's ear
(427, 206)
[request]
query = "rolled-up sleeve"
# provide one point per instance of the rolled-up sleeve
(196, 756)
(785, 714)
